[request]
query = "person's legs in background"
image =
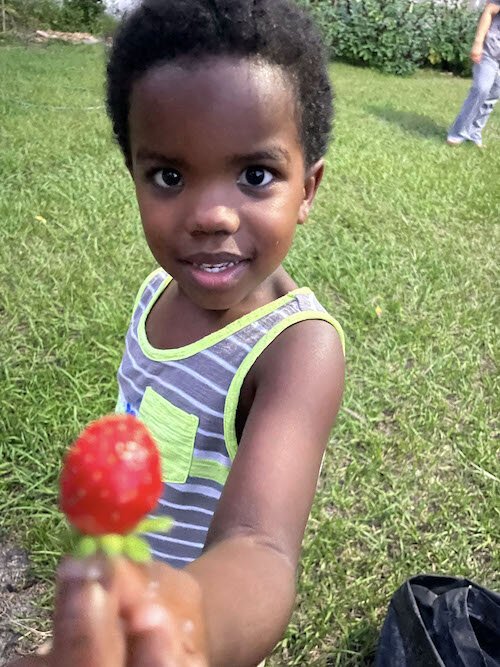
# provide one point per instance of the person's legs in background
(477, 107)
(485, 110)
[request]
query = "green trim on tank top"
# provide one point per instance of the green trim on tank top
(156, 354)
(143, 286)
(233, 394)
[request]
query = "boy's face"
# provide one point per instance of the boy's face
(219, 174)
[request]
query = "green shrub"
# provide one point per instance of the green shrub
(397, 36)
(377, 33)
(68, 15)
(81, 14)
(31, 14)
(453, 30)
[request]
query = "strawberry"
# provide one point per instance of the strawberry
(111, 477)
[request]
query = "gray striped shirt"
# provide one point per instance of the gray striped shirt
(188, 398)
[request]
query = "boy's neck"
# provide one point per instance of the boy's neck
(175, 321)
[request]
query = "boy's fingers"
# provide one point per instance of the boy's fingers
(137, 585)
(150, 639)
(45, 648)
(161, 609)
(158, 640)
(79, 636)
(87, 630)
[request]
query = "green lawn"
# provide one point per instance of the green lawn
(402, 248)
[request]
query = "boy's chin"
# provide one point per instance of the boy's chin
(215, 302)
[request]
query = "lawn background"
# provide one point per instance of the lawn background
(402, 248)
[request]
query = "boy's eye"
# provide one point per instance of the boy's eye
(167, 178)
(255, 177)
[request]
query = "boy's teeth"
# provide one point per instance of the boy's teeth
(215, 268)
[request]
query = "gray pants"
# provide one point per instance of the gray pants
(482, 97)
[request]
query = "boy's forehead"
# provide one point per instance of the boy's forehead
(238, 94)
(218, 64)
(242, 82)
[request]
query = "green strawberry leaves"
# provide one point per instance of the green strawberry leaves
(111, 545)
(136, 548)
(85, 546)
(159, 524)
(131, 545)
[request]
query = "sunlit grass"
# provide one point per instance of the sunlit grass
(402, 248)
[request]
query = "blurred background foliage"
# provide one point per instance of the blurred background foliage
(65, 15)
(394, 36)
(398, 36)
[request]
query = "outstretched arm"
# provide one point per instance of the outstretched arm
(230, 606)
(247, 573)
(482, 30)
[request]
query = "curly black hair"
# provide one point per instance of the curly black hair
(275, 31)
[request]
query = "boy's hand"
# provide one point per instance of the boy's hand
(476, 53)
(119, 614)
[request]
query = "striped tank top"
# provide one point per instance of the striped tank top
(188, 398)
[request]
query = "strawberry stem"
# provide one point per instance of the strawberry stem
(131, 545)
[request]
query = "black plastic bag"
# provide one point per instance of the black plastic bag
(436, 621)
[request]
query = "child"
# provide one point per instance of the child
(485, 90)
(222, 109)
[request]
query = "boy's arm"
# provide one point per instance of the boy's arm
(247, 573)
(482, 30)
(242, 589)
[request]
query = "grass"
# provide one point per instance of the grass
(402, 249)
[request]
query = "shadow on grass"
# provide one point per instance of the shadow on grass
(409, 121)
(357, 649)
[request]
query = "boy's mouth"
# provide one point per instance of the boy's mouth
(216, 268)
(214, 263)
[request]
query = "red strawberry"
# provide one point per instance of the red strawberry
(111, 476)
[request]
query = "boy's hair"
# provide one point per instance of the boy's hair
(274, 31)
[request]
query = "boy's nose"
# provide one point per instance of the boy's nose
(213, 220)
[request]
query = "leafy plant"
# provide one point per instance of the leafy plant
(397, 36)
(452, 34)
(69, 15)
(31, 14)
(82, 14)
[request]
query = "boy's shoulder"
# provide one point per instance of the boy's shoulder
(303, 344)
(310, 309)
(156, 276)
(308, 350)
(150, 284)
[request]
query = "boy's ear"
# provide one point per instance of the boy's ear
(311, 184)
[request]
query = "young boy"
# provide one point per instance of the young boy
(222, 109)
(485, 90)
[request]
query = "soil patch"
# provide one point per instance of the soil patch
(20, 594)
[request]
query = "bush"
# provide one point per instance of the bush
(453, 30)
(378, 33)
(397, 36)
(31, 14)
(68, 15)
(81, 14)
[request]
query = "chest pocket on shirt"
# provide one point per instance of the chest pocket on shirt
(174, 431)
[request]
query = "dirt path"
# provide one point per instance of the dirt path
(20, 593)
(72, 37)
